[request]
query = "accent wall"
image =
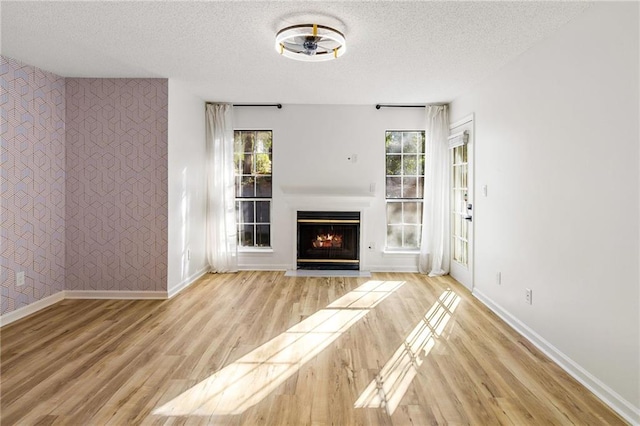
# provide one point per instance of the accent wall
(33, 184)
(116, 193)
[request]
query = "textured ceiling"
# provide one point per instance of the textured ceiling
(398, 52)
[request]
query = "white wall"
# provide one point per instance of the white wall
(186, 182)
(311, 170)
(557, 144)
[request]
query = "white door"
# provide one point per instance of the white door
(461, 160)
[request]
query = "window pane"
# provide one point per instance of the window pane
(411, 213)
(247, 141)
(263, 164)
(245, 211)
(410, 165)
(456, 249)
(458, 203)
(238, 186)
(263, 186)
(246, 164)
(262, 211)
(394, 236)
(263, 142)
(410, 187)
(411, 236)
(465, 174)
(393, 142)
(394, 187)
(394, 213)
(410, 142)
(246, 187)
(245, 235)
(394, 165)
(263, 235)
(238, 162)
(420, 188)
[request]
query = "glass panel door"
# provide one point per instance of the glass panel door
(460, 198)
(462, 208)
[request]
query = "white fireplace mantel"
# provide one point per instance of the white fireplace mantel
(328, 198)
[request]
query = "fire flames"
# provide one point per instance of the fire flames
(328, 240)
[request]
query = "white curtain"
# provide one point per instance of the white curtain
(220, 241)
(434, 248)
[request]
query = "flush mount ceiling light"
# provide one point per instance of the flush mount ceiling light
(310, 42)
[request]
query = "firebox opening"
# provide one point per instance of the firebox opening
(328, 240)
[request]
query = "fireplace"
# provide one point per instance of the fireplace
(328, 240)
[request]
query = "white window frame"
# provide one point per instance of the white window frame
(419, 199)
(254, 199)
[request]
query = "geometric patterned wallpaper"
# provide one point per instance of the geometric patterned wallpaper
(32, 183)
(116, 184)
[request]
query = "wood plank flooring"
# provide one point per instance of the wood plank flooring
(214, 354)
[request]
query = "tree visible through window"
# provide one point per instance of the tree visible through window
(252, 158)
(404, 188)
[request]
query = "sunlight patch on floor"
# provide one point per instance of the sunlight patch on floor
(390, 385)
(250, 379)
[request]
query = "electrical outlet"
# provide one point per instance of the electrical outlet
(20, 278)
(499, 278)
(528, 296)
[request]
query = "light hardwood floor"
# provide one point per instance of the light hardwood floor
(259, 348)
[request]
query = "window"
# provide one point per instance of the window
(404, 188)
(252, 158)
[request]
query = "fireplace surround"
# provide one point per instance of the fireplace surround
(328, 240)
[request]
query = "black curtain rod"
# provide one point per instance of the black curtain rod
(398, 106)
(279, 106)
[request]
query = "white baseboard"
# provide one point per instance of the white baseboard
(12, 316)
(326, 273)
(623, 407)
(263, 267)
(386, 268)
(186, 282)
(34, 307)
(114, 294)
